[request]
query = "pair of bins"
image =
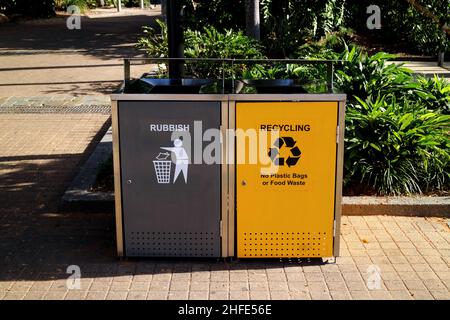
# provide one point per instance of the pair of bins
(228, 175)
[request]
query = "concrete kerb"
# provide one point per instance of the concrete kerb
(80, 197)
(419, 206)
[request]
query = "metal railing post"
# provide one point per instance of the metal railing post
(126, 72)
(441, 53)
(330, 76)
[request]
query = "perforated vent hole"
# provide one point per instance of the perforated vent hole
(172, 244)
(284, 244)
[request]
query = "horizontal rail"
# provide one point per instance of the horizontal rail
(300, 61)
(329, 64)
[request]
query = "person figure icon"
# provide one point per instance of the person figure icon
(182, 159)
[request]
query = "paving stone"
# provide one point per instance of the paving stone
(33, 295)
(220, 276)
(96, 295)
(421, 295)
(400, 295)
(17, 295)
(434, 284)
(314, 276)
(239, 295)
(240, 286)
(200, 276)
(198, 295)
(238, 277)
(394, 285)
(219, 286)
(199, 286)
(403, 268)
(337, 286)
(390, 276)
(332, 276)
(259, 295)
(138, 295)
(117, 295)
(178, 295)
(120, 286)
(276, 277)
(295, 277)
(380, 295)
(440, 294)
(340, 295)
(159, 286)
(157, 295)
(278, 286)
(320, 295)
(55, 295)
(414, 285)
(355, 285)
(75, 295)
(218, 295)
(179, 285)
(279, 295)
(300, 295)
(258, 286)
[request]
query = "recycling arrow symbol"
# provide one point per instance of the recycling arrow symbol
(284, 142)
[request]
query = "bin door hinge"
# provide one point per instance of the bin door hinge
(334, 228)
(337, 134)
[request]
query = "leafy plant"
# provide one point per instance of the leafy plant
(433, 93)
(403, 23)
(207, 43)
(396, 148)
(359, 74)
(82, 4)
(154, 41)
(287, 24)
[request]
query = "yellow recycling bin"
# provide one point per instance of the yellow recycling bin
(288, 200)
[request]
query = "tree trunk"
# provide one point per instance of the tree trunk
(252, 19)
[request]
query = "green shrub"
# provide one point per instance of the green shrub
(155, 42)
(359, 74)
(434, 93)
(207, 43)
(403, 24)
(210, 43)
(287, 24)
(395, 147)
(82, 4)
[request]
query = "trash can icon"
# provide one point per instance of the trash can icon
(162, 170)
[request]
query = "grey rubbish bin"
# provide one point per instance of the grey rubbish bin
(172, 205)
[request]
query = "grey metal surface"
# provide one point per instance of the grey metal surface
(179, 219)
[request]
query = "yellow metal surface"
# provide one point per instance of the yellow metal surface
(285, 199)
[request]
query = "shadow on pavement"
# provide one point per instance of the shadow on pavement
(105, 38)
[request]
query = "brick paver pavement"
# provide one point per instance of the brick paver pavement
(44, 57)
(40, 153)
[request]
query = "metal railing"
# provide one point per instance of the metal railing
(329, 65)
